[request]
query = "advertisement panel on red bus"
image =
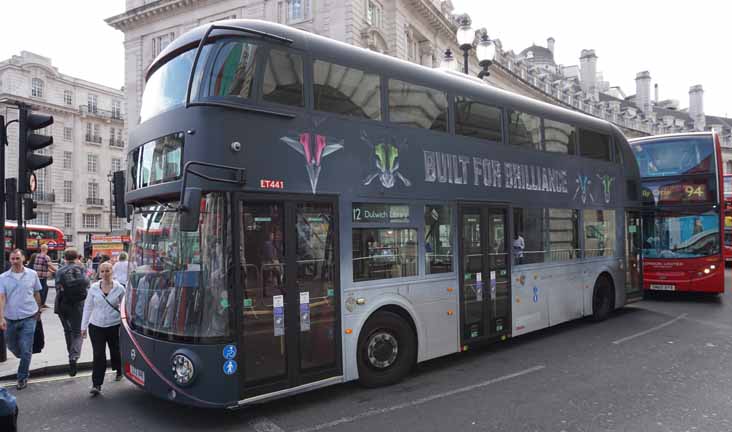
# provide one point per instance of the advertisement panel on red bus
(727, 189)
(683, 224)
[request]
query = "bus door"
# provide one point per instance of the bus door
(485, 285)
(633, 250)
(288, 294)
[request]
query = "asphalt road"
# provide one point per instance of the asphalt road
(658, 365)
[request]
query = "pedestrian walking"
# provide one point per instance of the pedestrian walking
(72, 285)
(20, 300)
(102, 320)
(120, 269)
(45, 268)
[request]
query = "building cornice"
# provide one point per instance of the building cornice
(40, 105)
(137, 16)
(434, 16)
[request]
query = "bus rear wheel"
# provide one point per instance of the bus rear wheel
(603, 299)
(387, 350)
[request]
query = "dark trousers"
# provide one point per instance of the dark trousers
(100, 338)
(44, 290)
(70, 316)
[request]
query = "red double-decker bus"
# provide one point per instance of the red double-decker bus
(37, 235)
(727, 189)
(682, 187)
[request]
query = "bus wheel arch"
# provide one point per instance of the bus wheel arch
(387, 347)
(603, 297)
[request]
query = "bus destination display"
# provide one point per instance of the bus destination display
(380, 213)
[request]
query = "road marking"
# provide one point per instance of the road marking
(652, 329)
(51, 379)
(421, 401)
(263, 424)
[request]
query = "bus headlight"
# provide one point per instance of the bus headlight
(713, 267)
(707, 271)
(183, 369)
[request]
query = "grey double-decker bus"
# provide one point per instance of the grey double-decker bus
(305, 213)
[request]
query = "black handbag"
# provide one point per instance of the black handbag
(39, 339)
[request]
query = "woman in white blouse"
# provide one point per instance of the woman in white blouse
(102, 320)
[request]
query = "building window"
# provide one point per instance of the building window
(92, 163)
(68, 157)
(373, 13)
(68, 132)
(438, 239)
(68, 220)
(68, 191)
(118, 224)
(37, 87)
(91, 103)
(116, 109)
(41, 177)
(119, 138)
(160, 42)
(298, 10)
(42, 218)
(116, 165)
(68, 97)
(91, 221)
(93, 190)
(97, 134)
(346, 91)
(729, 167)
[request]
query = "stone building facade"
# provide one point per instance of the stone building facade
(418, 31)
(89, 133)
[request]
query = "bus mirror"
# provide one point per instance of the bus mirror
(191, 209)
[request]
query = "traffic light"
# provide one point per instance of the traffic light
(29, 209)
(11, 199)
(118, 192)
(28, 142)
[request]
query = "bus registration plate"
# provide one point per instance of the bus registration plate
(660, 287)
(135, 374)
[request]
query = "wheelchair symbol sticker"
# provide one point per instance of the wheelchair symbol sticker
(229, 352)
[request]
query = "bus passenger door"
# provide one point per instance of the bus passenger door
(290, 322)
(485, 289)
(633, 250)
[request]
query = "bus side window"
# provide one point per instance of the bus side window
(346, 91)
(477, 120)
(283, 78)
(559, 137)
(594, 145)
(233, 69)
(417, 106)
(524, 130)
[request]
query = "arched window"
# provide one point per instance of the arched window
(37, 87)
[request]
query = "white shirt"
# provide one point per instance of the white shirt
(96, 309)
(119, 272)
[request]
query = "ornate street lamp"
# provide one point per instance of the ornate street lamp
(465, 38)
(486, 52)
(448, 60)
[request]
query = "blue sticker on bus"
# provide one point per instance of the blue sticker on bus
(229, 367)
(229, 352)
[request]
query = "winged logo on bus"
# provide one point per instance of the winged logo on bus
(314, 148)
(606, 182)
(583, 189)
(386, 158)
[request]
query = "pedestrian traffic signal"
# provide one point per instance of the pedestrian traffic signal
(29, 209)
(28, 142)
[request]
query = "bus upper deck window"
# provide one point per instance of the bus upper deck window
(594, 145)
(559, 137)
(346, 91)
(233, 69)
(524, 130)
(283, 78)
(417, 106)
(477, 120)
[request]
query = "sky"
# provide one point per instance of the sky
(680, 47)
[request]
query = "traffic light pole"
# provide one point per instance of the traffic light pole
(3, 143)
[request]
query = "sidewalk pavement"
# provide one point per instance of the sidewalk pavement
(54, 357)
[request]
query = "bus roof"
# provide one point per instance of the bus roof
(670, 135)
(9, 224)
(326, 48)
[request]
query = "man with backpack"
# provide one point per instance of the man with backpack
(72, 285)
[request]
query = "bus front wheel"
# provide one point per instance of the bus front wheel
(387, 350)
(603, 299)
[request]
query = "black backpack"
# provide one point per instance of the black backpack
(75, 284)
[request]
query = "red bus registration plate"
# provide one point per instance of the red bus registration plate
(660, 287)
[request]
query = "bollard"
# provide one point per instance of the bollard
(3, 349)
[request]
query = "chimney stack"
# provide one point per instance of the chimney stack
(550, 44)
(696, 107)
(643, 91)
(655, 89)
(588, 73)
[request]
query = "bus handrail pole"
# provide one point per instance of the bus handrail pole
(201, 44)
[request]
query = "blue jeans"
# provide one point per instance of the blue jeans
(19, 337)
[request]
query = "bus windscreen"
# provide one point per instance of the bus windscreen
(675, 157)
